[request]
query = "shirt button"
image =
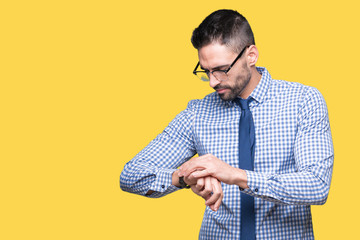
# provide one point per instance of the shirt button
(256, 190)
(163, 186)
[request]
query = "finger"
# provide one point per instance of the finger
(190, 170)
(200, 184)
(200, 173)
(192, 166)
(182, 168)
(190, 180)
(219, 200)
(197, 192)
(185, 166)
(206, 192)
(217, 192)
(213, 198)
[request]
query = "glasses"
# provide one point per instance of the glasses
(220, 75)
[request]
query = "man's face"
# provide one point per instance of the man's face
(219, 57)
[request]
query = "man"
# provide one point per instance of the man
(265, 147)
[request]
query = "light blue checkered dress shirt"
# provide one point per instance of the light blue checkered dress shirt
(292, 166)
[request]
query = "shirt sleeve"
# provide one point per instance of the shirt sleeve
(152, 168)
(313, 154)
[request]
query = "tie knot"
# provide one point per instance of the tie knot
(244, 103)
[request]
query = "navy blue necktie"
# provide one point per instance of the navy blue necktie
(246, 162)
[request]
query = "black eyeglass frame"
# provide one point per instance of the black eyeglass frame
(207, 72)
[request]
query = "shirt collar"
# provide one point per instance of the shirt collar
(259, 93)
(261, 89)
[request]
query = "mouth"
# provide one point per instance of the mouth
(221, 90)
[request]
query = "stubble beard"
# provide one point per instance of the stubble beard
(241, 81)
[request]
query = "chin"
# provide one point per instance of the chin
(227, 97)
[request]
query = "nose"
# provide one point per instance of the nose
(213, 81)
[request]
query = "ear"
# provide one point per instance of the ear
(252, 55)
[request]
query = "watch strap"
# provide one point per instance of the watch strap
(183, 183)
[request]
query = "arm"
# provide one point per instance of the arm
(313, 153)
(150, 171)
(314, 156)
(209, 188)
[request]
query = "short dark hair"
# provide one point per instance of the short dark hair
(227, 27)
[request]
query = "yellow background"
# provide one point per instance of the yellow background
(85, 85)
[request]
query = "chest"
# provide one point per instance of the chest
(275, 134)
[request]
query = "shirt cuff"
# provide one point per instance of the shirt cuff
(257, 183)
(163, 181)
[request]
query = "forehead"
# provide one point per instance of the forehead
(215, 55)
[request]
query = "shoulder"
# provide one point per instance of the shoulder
(299, 91)
(286, 87)
(305, 99)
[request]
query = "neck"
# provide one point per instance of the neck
(254, 81)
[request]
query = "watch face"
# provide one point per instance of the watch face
(183, 183)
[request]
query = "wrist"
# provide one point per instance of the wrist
(182, 183)
(175, 179)
(241, 178)
(179, 181)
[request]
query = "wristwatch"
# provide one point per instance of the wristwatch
(183, 183)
